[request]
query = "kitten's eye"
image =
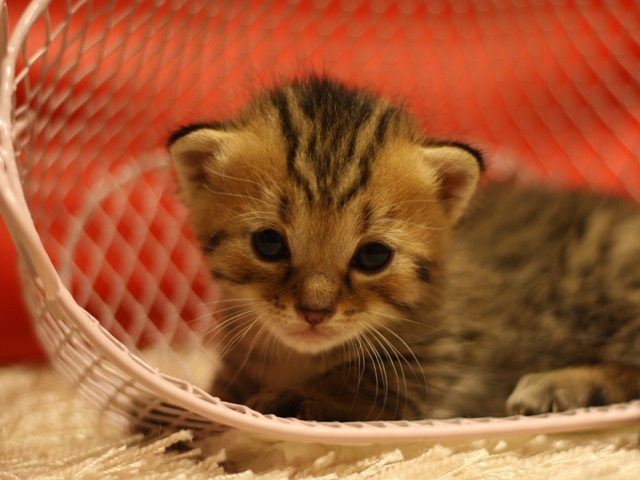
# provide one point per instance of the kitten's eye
(270, 245)
(372, 257)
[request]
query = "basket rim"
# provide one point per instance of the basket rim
(60, 301)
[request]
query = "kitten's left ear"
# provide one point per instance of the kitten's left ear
(458, 169)
(197, 150)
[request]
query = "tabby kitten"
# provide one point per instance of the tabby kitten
(360, 283)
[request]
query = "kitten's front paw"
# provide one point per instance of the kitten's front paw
(290, 402)
(554, 391)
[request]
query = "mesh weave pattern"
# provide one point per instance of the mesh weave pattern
(548, 90)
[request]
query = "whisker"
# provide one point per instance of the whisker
(408, 320)
(238, 337)
(214, 323)
(236, 317)
(239, 195)
(398, 356)
(417, 200)
(423, 227)
(359, 355)
(410, 351)
(404, 319)
(216, 206)
(238, 179)
(206, 304)
(267, 350)
(376, 361)
(250, 349)
(232, 332)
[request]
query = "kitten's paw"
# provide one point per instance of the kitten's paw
(554, 391)
(290, 402)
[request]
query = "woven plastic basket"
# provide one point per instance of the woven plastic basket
(91, 89)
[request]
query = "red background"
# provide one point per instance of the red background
(17, 340)
(551, 86)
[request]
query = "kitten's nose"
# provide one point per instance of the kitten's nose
(314, 317)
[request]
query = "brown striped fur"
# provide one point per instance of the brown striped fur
(529, 281)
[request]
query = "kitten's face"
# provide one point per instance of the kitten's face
(320, 231)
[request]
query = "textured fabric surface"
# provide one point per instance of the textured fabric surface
(47, 432)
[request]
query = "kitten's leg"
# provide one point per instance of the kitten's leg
(576, 387)
(343, 395)
(308, 403)
(299, 402)
(346, 393)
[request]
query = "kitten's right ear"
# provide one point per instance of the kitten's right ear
(197, 152)
(458, 169)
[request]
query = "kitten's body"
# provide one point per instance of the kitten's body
(538, 280)
(297, 201)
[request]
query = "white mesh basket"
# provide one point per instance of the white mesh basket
(91, 89)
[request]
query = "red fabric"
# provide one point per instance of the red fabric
(548, 84)
(17, 340)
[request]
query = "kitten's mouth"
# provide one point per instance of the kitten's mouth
(312, 334)
(311, 339)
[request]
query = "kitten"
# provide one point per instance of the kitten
(360, 281)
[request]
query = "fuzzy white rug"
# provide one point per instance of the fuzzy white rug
(47, 432)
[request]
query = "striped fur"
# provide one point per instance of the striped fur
(455, 313)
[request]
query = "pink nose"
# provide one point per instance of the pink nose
(314, 317)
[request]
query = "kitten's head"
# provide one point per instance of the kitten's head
(324, 208)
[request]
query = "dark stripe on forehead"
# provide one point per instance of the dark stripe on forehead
(362, 115)
(319, 97)
(361, 181)
(359, 116)
(279, 100)
(365, 161)
(336, 113)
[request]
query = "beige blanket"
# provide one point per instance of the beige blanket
(47, 432)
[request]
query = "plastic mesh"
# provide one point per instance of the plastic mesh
(548, 90)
